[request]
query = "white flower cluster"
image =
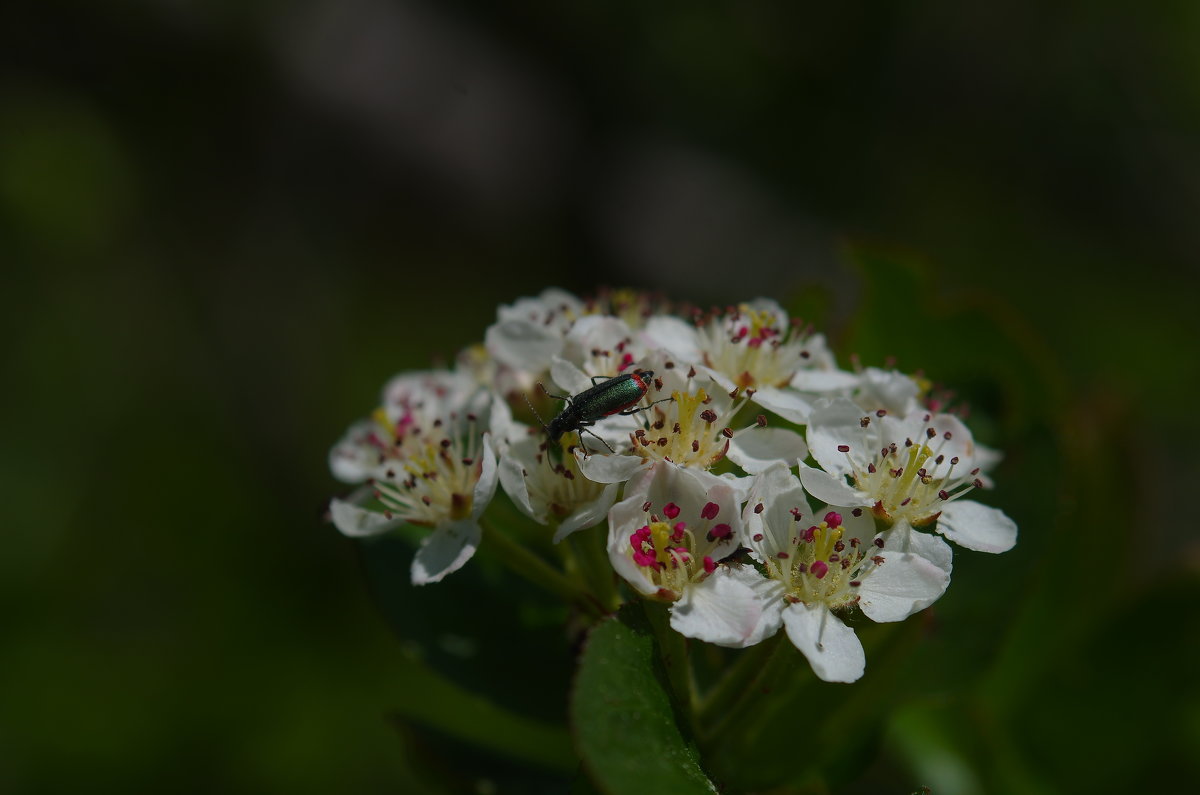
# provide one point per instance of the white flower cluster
(696, 439)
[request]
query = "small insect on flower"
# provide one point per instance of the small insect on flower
(618, 395)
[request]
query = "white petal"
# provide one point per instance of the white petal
(673, 335)
(522, 344)
(623, 520)
(356, 522)
(485, 487)
(888, 389)
(756, 449)
(903, 538)
(568, 377)
(832, 648)
(974, 526)
(512, 478)
(835, 422)
(903, 584)
(787, 403)
(824, 380)
(445, 551)
(722, 609)
(832, 489)
(587, 514)
(778, 490)
(609, 468)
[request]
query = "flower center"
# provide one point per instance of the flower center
(822, 568)
(753, 347)
(434, 475)
(668, 550)
(913, 480)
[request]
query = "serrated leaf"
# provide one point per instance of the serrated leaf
(622, 716)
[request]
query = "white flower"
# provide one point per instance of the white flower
(672, 528)
(912, 469)
(428, 465)
(410, 400)
(756, 347)
(816, 567)
(692, 429)
(553, 493)
(529, 333)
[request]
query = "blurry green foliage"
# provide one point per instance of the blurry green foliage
(208, 275)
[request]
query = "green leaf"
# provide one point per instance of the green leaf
(622, 714)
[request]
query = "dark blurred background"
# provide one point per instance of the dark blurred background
(224, 225)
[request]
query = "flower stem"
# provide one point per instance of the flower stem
(733, 684)
(672, 648)
(534, 568)
(592, 557)
(770, 665)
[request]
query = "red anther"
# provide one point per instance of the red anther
(761, 419)
(782, 555)
(758, 536)
(945, 495)
(833, 519)
(908, 442)
(871, 468)
(877, 560)
(727, 433)
(947, 436)
(974, 471)
(758, 508)
(819, 569)
(670, 510)
(668, 365)
(662, 441)
(954, 461)
(855, 583)
(709, 565)
(720, 531)
(709, 416)
(930, 433)
(881, 413)
(646, 506)
(878, 542)
(840, 546)
(675, 428)
(978, 483)
(695, 445)
(710, 510)
(857, 512)
(691, 372)
(843, 448)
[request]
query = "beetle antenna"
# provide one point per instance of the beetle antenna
(546, 451)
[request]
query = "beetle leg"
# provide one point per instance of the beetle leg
(639, 409)
(606, 444)
(548, 393)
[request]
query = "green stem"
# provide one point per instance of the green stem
(732, 686)
(534, 568)
(747, 698)
(592, 557)
(672, 648)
